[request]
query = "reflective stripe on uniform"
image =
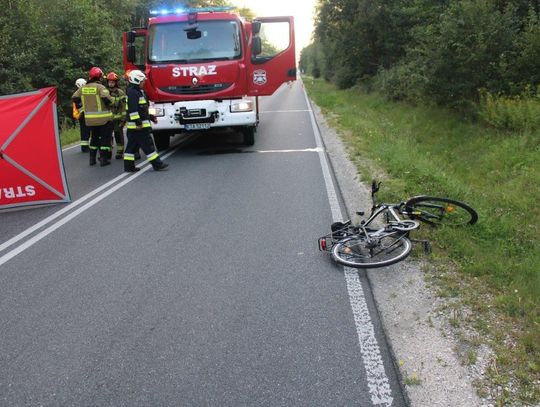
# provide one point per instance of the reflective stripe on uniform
(142, 101)
(129, 157)
(93, 148)
(145, 124)
(98, 115)
(105, 148)
(153, 156)
(134, 116)
(84, 143)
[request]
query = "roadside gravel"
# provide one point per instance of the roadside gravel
(423, 345)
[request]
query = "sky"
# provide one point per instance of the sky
(301, 10)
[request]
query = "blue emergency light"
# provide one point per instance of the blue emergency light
(165, 11)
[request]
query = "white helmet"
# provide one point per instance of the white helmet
(80, 82)
(136, 77)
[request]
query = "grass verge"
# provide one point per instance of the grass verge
(491, 269)
(69, 136)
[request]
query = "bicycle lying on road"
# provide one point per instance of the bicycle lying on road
(369, 245)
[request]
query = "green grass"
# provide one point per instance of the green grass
(69, 136)
(492, 267)
(413, 380)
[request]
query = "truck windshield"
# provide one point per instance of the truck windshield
(179, 42)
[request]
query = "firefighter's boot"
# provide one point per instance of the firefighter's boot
(159, 165)
(93, 154)
(105, 157)
(129, 166)
(119, 152)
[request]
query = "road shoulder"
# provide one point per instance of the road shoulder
(421, 341)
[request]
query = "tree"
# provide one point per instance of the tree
(54, 42)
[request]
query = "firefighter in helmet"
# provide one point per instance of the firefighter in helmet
(119, 111)
(96, 102)
(78, 114)
(138, 125)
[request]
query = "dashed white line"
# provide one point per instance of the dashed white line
(304, 150)
(285, 111)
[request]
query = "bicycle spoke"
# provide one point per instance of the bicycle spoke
(377, 251)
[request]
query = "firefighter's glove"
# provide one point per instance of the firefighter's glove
(153, 118)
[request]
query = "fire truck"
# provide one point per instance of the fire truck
(207, 67)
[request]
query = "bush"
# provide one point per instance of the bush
(402, 82)
(345, 76)
(518, 113)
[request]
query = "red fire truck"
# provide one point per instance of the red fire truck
(207, 67)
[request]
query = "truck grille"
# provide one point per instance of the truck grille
(196, 90)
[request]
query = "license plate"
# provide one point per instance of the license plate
(197, 126)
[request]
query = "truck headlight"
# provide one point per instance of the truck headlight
(242, 106)
(156, 111)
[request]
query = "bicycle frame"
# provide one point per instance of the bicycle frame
(393, 223)
(369, 244)
(392, 212)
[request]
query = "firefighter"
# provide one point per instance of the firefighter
(139, 126)
(78, 114)
(95, 100)
(119, 112)
(126, 78)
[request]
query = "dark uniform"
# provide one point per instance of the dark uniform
(138, 130)
(95, 99)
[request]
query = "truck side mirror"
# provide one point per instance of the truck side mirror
(131, 54)
(256, 27)
(256, 46)
(130, 36)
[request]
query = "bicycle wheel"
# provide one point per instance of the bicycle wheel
(377, 251)
(440, 211)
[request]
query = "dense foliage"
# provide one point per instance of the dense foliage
(428, 50)
(54, 42)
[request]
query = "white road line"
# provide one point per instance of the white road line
(59, 213)
(305, 150)
(378, 383)
(284, 111)
(30, 242)
(8, 256)
(70, 147)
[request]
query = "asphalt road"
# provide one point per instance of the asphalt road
(199, 286)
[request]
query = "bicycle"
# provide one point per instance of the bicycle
(368, 246)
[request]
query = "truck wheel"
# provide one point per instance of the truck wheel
(249, 135)
(162, 139)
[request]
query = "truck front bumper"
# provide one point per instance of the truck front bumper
(201, 114)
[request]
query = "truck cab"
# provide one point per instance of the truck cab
(207, 67)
